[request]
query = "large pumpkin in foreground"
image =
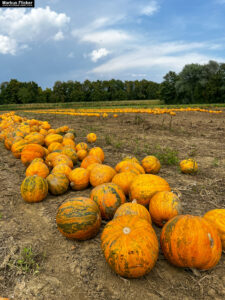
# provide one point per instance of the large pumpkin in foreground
(145, 186)
(191, 241)
(34, 188)
(79, 218)
(130, 246)
(217, 217)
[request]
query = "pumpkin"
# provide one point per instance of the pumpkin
(191, 241)
(78, 218)
(91, 137)
(134, 209)
(62, 159)
(101, 174)
(81, 154)
(90, 159)
(97, 151)
(188, 166)
(79, 179)
(50, 157)
(130, 246)
(69, 142)
(126, 165)
(37, 168)
(131, 159)
(8, 143)
(34, 188)
(17, 148)
(90, 167)
(71, 153)
(35, 138)
(51, 138)
(51, 131)
(45, 125)
(62, 168)
(81, 146)
(58, 183)
(43, 132)
(151, 164)
(54, 147)
(164, 206)
(37, 160)
(30, 152)
(217, 218)
(144, 186)
(69, 135)
(109, 197)
(124, 180)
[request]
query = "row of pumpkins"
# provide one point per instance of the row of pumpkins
(129, 242)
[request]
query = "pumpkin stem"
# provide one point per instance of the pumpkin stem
(134, 201)
(126, 230)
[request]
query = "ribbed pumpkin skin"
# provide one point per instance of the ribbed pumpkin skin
(191, 241)
(90, 167)
(90, 159)
(54, 147)
(34, 189)
(79, 218)
(217, 218)
(127, 165)
(31, 152)
(81, 146)
(164, 206)
(188, 166)
(124, 180)
(17, 148)
(62, 159)
(35, 138)
(97, 151)
(51, 138)
(131, 159)
(145, 186)
(37, 168)
(151, 164)
(71, 153)
(79, 179)
(50, 157)
(130, 246)
(69, 142)
(81, 154)
(134, 209)
(58, 183)
(69, 135)
(91, 137)
(62, 168)
(101, 174)
(109, 197)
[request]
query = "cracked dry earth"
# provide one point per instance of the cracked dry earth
(72, 270)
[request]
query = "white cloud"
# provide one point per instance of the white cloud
(7, 45)
(38, 24)
(97, 54)
(150, 9)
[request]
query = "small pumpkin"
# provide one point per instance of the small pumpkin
(191, 241)
(81, 146)
(108, 196)
(101, 174)
(30, 152)
(50, 157)
(97, 151)
(124, 180)
(164, 206)
(37, 168)
(130, 246)
(52, 138)
(35, 138)
(69, 135)
(90, 167)
(78, 218)
(54, 147)
(34, 189)
(17, 148)
(81, 154)
(69, 142)
(151, 164)
(71, 153)
(58, 183)
(62, 168)
(90, 159)
(188, 166)
(131, 159)
(127, 165)
(79, 179)
(62, 159)
(91, 137)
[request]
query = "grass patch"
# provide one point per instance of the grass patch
(167, 155)
(0, 215)
(215, 162)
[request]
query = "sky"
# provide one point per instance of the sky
(100, 40)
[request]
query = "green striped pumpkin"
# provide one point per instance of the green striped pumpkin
(58, 183)
(34, 188)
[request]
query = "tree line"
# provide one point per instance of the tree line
(194, 84)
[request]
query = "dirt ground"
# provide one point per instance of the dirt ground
(72, 270)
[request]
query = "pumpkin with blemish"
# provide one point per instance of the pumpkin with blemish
(90, 159)
(109, 197)
(124, 180)
(34, 189)
(217, 218)
(134, 209)
(191, 241)
(164, 206)
(62, 168)
(54, 147)
(130, 246)
(91, 137)
(127, 165)
(17, 148)
(37, 168)
(50, 157)
(78, 218)
(52, 138)
(151, 164)
(145, 186)
(58, 183)
(62, 159)
(101, 174)
(30, 152)
(188, 166)
(35, 138)
(79, 179)
(81, 146)
(97, 151)
(71, 153)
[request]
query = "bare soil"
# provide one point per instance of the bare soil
(72, 270)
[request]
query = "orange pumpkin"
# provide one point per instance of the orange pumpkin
(191, 241)
(131, 159)
(109, 197)
(90, 167)
(71, 153)
(188, 166)
(69, 142)
(97, 151)
(144, 186)
(35, 138)
(81, 146)
(37, 168)
(62, 159)
(91, 137)
(58, 183)
(62, 168)
(151, 164)
(90, 159)
(31, 152)
(43, 132)
(50, 157)
(17, 148)
(164, 206)
(34, 189)
(69, 135)
(124, 180)
(54, 147)
(134, 209)
(101, 174)
(130, 246)
(52, 138)
(81, 154)
(79, 179)
(79, 218)
(127, 165)
(217, 218)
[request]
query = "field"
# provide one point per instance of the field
(55, 268)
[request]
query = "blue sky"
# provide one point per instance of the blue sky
(121, 39)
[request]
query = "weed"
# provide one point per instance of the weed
(138, 120)
(193, 152)
(215, 162)
(108, 140)
(167, 156)
(0, 215)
